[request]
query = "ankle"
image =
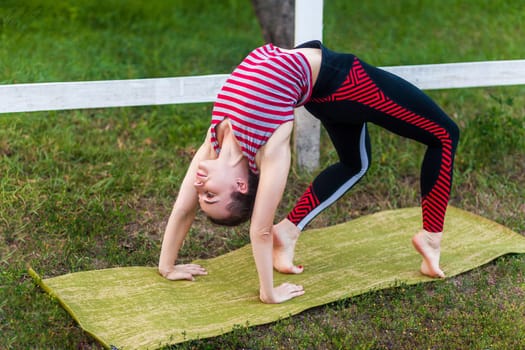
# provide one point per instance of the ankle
(432, 238)
(288, 228)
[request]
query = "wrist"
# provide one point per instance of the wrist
(165, 270)
(265, 297)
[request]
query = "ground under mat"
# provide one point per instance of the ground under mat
(135, 308)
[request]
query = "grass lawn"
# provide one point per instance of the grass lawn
(93, 189)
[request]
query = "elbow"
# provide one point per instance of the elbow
(261, 235)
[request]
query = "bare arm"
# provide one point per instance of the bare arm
(274, 167)
(179, 223)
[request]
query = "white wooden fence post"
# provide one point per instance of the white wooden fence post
(308, 26)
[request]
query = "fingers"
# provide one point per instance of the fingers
(193, 269)
(186, 272)
(294, 289)
(290, 290)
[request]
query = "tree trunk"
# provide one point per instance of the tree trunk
(276, 18)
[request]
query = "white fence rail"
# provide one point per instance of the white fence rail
(108, 93)
(198, 89)
(463, 75)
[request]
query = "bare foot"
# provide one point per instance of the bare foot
(429, 246)
(285, 235)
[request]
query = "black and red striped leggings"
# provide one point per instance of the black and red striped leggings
(350, 93)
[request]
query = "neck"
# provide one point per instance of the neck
(230, 149)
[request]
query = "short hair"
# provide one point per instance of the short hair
(241, 206)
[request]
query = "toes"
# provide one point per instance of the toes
(298, 269)
(428, 270)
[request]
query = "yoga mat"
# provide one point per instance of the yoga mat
(135, 308)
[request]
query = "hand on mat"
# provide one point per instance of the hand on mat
(185, 272)
(282, 293)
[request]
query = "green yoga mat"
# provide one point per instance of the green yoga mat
(135, 308)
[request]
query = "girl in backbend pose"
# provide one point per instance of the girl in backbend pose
(241, 169)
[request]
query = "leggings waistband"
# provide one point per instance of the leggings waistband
(334, 69)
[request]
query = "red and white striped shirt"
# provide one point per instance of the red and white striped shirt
(260, 95)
